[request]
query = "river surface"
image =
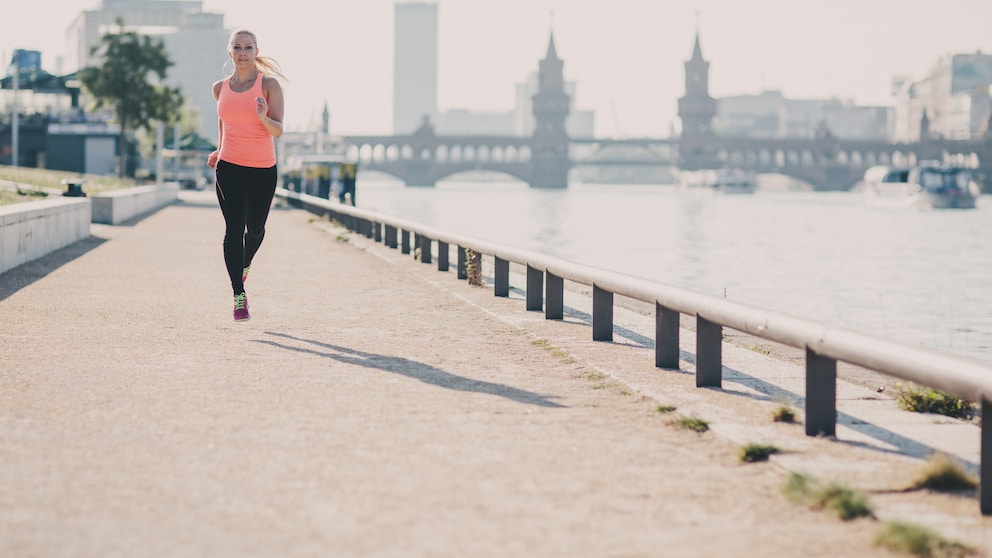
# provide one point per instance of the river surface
(917, 277)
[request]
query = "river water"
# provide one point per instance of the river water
(917, 277)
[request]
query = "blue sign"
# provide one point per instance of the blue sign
(26, 60)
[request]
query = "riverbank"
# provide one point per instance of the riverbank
(375, 406)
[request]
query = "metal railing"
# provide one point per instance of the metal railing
(824, 345)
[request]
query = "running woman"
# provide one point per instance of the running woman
(250, 113)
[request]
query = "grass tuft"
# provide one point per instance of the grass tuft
(919, 541)
(753, 453)
(943, 474)
(784, 413)
(695, 424)
(919, 399)
(665, 408)
(846, 502)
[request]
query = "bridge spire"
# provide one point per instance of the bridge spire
(697, 109)
(549, 143)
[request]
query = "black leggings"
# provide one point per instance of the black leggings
(245, 196)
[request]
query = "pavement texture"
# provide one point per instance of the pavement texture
(374, 406)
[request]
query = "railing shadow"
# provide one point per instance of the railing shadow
(766, 391)
(411, 369)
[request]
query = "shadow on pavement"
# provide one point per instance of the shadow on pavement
(412, 369)
(23, 275)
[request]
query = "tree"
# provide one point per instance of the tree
(124, 83)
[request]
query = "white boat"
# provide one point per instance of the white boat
(726, 181)
(928, 186)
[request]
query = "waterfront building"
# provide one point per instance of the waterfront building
(954, 96)
(414, 65)
(770, 114)
(518, 121)
(196, 42)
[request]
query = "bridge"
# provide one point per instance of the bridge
(545, 158)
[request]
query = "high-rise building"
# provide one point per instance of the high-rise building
(195, 41)
(414, 65)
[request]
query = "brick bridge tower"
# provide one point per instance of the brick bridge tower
(549, 144)
(697, 109)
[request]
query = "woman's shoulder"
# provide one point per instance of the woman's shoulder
(217, 85)
(270, 82)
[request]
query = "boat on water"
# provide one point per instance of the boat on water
(726, 181)
(926, 186)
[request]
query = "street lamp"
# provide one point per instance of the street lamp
(14, 131)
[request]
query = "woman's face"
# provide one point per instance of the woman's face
(242, 49)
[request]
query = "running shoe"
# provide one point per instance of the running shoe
(244, 274)
(241, 308)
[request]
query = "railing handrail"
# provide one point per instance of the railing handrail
(959, 376)
(824, 345)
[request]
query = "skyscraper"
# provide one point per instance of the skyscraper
(414, 65)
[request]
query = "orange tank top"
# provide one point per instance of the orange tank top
(245, 142)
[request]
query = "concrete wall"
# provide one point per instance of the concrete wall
(117, 206)
(31, 230)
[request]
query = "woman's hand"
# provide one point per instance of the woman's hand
(261, 108)
(212, 159)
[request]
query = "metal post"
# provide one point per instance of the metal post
(602, 314)
(709, 353)
(821, 395)
(15, 117)
(159, 147)
(391, 236)
(535, 286)
(985, 480)
(666, 337)
(501, 277)
(442, 256)
(177, 157)
(462, 263)
(405, 244)
(554, 295)
(425, 249)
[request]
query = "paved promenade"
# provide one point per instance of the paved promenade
(374, 406)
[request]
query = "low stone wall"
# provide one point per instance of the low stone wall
(31, 230)
(117, 206)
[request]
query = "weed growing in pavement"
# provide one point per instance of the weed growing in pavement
(695, 424)
(943, 474)
(555, 351)
(919, 541)
(761, 349)
(753, 453)
(846, 502)
(784, 413)
(912, 397)
(473, 267)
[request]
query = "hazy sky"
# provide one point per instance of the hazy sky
(625, 55)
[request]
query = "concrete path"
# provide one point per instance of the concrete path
(374, 406)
